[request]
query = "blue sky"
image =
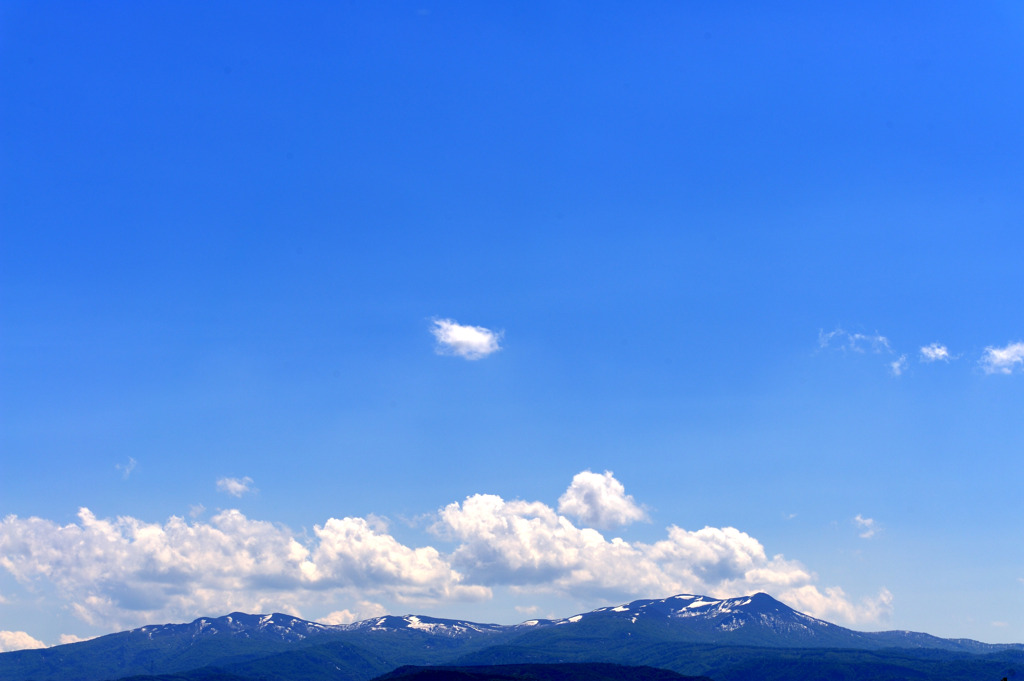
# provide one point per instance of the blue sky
(695, 254)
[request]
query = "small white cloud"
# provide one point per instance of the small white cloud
(867, 526)
(236, 487)
(18, 640)
(364, 611)
(899, 366)
(527, 609)
(935, 353)
(196, 510)
(345, 616)
(877, 342)
(855, 342)
(469, 342)
(1003, 360)
(71, 638)
(599, 501)
(127, 468)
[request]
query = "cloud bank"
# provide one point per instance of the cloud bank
(469, 342)
(123, 572)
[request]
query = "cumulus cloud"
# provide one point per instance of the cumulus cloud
(833, 604)
(364, 611)
(600, 501)
(469, 342)
(17, 640)
(531, 547)
(351, 553)
(868, 526)
(899, 366)
(1003, 360)
(236, 487)
(124, 572)
(935, 353)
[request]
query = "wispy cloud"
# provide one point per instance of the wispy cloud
(935, 353)
(868, 526)
(236, 487)
(1003, 360)
(862, 343)
(469, 342)
(854, 342)
(127, 468)
(1007, 359)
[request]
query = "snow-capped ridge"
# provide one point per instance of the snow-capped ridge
(756, 619)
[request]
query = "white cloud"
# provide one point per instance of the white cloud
(364, 611)
(236, 487)
(17, 640)
(527, 609)
(600, 501)
(855, 342)
(834, 604)
(1003, 360)
(935, 353)
(71, 638)
(530, 547)
(868, 526)
(125, 572)
(351, 553)
(126, 469)
(899, 366)
(470, 342)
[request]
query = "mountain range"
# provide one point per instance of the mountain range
(753, 637)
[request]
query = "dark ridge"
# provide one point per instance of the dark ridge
(536, 672)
